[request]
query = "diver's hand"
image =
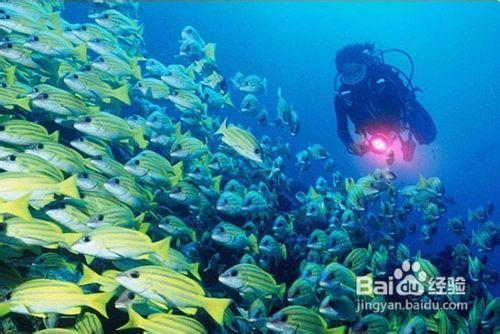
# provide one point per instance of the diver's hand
(357, 149)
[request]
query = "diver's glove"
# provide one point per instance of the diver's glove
(357, 149)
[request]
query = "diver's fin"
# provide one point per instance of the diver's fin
(421, 124)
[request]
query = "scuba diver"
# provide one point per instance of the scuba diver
(380, 101)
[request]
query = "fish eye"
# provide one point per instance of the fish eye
(7, 17)
(62, 206)
(40, 146)
(4, 85)
(84, 28)
(35, 38)
(87, 119)
(134, 274)
(257, 151)
(45, 96)
(225, 201)
(100, 217)
(137, 162)
(189, 30)
(99, 60)
(86, 238)
(174, 93)
(116, 181)
(85, 175)
(8, 296)
(80, 140)
(105, 16)
(9, 45)
(75, 76)
(233, 273)
(331, 276)
(139, 84)
(331, 303)
(2, 127)
(308, 273)
(284, 318)
(36, 90)
(12, 157)
(131, 295)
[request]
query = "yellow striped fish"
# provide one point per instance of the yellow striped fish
(39, 297)
(163, 285)
(159, 323)
(114, 242)
(241, 141)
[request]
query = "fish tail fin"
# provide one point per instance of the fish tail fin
(254, 246)
(10, 75)
(24, 103)
(222, 127)
(264, 85)
(281, 290)
(89, 276)
(177, 168)
(194, 269)
(81, 52)
(134, 320)
(121, 94)
(227, 100)
(54, 136)
(216, 307)
(136, 71)
(55, 19)
(5, 308)
(89, 259)
(18, 207)
(98, 302)
(140, 218)
(216, 182)
(94, 109)
(190, 70)
(336, 330)
(138, 136)
(162, 247)
(71, 238)
(68, 187)
(209, 51)
(283, 252)
(143, 227)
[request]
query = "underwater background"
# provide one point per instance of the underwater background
(135, 196)
(293, 45)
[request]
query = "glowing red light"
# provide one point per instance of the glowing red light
(378, 144)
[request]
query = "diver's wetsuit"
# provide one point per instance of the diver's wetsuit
(371, 106)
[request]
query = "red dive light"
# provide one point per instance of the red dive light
(379, 143)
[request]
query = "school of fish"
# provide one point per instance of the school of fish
(128, 202)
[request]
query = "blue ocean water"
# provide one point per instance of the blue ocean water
(293, 44)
